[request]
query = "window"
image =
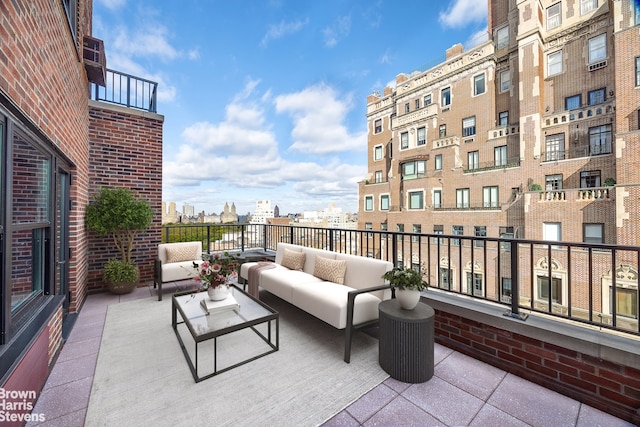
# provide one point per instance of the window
(506, 232)
(637, 14)
(479, 231)
(626, 302)
(400, 229)
(437, 199)
(377, 152)
(383, 227)
(474, 281)
(502, 37)
(378, 177)
(597, 48)
(404, 140)
(457, 230)
(473, 160)
(377, 126)
(438, 229)
(551, 231)
(572, 102)
(368, 226)
(478, 84)
(592, 233)
(417, 229)
(553, 182)
(554, 147)
(554, 292)
(503, 118)
(490, 196)
(368, 203)
(438, 160)
(554, 63)
(554, 16)
(445, 278)
(587, 6)
(445, 97)
(589, 179)
(638, 67)
(71, 9)
(505, 80)
(442, 131)
(427, 100)
(462, 198)
(417, 104)
(384, 202)
(505, 291)
(597, 96)
(500, 155)
(469, 126)
(600, 140)
(407, 107)
(422, 136)
(416, 200)
(413, 170)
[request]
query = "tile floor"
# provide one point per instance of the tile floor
(462, 392)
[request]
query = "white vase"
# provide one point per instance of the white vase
(408, 298)
(218, 293)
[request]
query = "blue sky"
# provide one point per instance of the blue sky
(266, 99)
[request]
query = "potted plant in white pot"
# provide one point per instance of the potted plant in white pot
(115, 212)
(408, 285)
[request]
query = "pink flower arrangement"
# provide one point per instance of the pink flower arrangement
(217, 271)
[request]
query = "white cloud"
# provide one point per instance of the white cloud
(338, 31)
(318, 115)
(476, 38)
(463, 12)
(282, 29)
(113, 4)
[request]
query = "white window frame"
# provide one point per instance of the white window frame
(427, 100)
(500, 155)
(468, 126)
(378, 177)
(438, 162)
(473, 159)
(587, 6)
(502, 37)
(490, 196)
(445, 101)
(478, 80)
(597, 48)
(376, 128)
(421, 136)
(420, 201)
(462, 198)
(404, 140)
(437, 198)
(377, 152)
(554, 147)
(552, 231)
(554, 63)
(554, 16)
(505, 80)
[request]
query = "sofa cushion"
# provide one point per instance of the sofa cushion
(281, 281)
(330, 269)
(179, 253)
(293, 260)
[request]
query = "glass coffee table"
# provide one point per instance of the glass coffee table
(189, 319)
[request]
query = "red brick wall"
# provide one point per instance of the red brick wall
(126, 151)
(608, 386)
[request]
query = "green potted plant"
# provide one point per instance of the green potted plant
(609, 182)
(408, 284)
(116, 212)
(536, 187)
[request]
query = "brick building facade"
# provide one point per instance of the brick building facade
(58, 148)
(532, 134)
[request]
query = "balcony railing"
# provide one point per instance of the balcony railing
(577, 194)
(127, 90)
(596, 284)
(487, 166)
(578, 152)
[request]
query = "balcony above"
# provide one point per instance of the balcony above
(447, 141)
(577, 195)
(127, 90)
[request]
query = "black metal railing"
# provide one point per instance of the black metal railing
(127, 90)
(595, 284)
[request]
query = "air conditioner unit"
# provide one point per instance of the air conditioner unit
(95, 62)
(597, 65)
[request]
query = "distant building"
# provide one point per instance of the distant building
(262, 213)
(229, 215)
(276, 212)
(171, 215)
(188, 210)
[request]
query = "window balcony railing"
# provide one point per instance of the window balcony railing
(596, 284)
(487, 166)
(127, 90)
(578, 152)
(577, 194)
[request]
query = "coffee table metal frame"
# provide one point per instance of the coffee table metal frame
(247, 302)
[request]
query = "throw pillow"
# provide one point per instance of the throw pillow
(179, 253)
(332, 270)
(293, 260)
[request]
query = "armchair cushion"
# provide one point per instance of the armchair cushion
(179, 253)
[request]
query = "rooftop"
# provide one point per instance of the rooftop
(463, 390)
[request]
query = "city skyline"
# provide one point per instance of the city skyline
(273, 108)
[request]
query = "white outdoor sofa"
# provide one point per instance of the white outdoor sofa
(313, 285)
(175, 262)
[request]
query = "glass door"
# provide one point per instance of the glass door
(62, 237)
